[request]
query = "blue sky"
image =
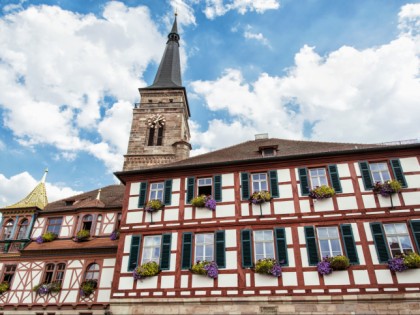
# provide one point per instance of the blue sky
(344, 71)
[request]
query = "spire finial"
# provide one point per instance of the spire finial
(45, 176)
(98, 197)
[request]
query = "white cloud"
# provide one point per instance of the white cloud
(18, 186)
(409, 19)
(369, 95)
(257, 36)
(215, 8)
(57, 66)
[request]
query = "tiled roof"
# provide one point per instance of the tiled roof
(36, 198)
(110, 197)
(95, 243)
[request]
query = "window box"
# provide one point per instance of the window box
(46, 237)
(260, 197)
(82, 235)
(45, 288)
(88, 287)
(322, 192)
(115, 235)
(268, 266)
(145, 270)
(387, 188)
(204, 201)
(328, 264)
(403, 262)
(4, 286)
(154, 205)
(206, 268)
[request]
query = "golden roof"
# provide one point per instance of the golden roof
(36, 198)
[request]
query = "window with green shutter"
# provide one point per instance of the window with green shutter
(217, 188)
(142, 194)
(245, 186)
(165, 259)
(366, 175)
(274, 184)
(415, 227)
(281, 246)
(398, 172)
(190, 189)
(349, 243)
(186, 250)
(304, 182)
(168, 192)
(219, 237)
(335, 178)
(311, 246)
(134, 252)
(246, 248)
(380, 242)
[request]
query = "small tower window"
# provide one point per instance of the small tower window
(151, 136)
(155, 137)
(159, 136)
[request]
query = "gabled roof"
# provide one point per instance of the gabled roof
(37, 197)
(109, 197)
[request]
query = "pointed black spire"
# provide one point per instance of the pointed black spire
(169, 72)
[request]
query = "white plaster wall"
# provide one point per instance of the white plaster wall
(244, 209)
(104, 295)
(110, 262)
(70, 298)
(361, 185)
(75, 264)
(343, 170)
(126, 283)
(127, 244)
(411, 198)
(383, 276)
(369, 201)
(172, 262)
(231, 260)
(304, 257)
(291, 257)
(304, 206)
(188, 213)
(347, 203)
(357, 168)
(134, 217)
(176, 184)
(284, 207)
(410, 164)
(167, 282)
(157, 216)
(283, 175)
(373, 254)
(289, 238)
(124, 264)
(228, 280)
(202, 281)
(171, 214)
(265, 209)
(203, 213)
(228, 180)
(228, 194)
(133, 203)
(347, 186)
(324, 205)
(413, 181)
(286, 191)
(184, 281)
(146, 283)
(409, 276)
(38, 227)
(225, 211)
(174, 242)
(360, 254)
(386, 201)
(301, 234)
(338, 277)
(175, 200)
(66, 230)
(289, 279)
(134, 188)
(230, 238)
(265, 280)
(368, 231)
(106, 277)
(361, 277)
(311, 277)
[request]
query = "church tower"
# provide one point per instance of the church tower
(159, 132)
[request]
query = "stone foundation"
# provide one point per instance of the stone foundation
(408, 303)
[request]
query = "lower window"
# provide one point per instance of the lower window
(151, 249)
(329, 241)
(264, 244)
(398, 238)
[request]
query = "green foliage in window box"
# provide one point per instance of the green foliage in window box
(4, 286)
(322, 192)
(44, 288)
(82, 235)
(199, 201)
(387, 188)
(339, 262)
(259, 197)
(88, 287)
(268, 266)
(148, 269)
(198, 267)
(154, 205)
(49, 236)
(412, 260)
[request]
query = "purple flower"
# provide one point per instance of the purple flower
(210, 203)
(276, 270)
(212, 270)
(43, 289)
(397, 264)
(324, 266)
(114, 235)
(39, 239)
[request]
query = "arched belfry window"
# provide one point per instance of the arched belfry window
(7, 230)
(23, 229)
(156, 125)
(87, 222)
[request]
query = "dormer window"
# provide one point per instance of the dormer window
(69, 203)
(268, 151)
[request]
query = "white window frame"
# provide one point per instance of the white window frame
(318, 177)
(205, 182)
(380, 172)
(151, 248)
(259, 182)
(398, 236)
(206, 241)
(267, 241)
(329, 239)
(157, 191)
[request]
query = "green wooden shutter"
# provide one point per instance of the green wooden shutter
(245, 186)
(367, 177)
(304, 182)
(398, 172)
(142, 194)
(349, 243)
(311, 246)
(165, 259)
(274, 184)
(415, 227)
(246, 248)
(217, 187)
(134, 252)
(335, 178)
(281, 244)
(168, 191)
(186, 250)
(380, 242)
(190, 188)
(219, 238)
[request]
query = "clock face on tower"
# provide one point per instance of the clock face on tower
(156, 121)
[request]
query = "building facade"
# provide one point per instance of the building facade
(133, 248)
